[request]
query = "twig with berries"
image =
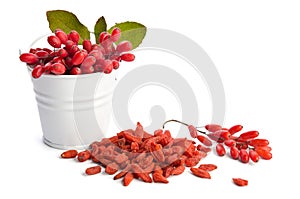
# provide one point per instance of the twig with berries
(244, 147)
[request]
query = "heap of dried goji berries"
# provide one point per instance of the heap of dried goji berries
(138, 154)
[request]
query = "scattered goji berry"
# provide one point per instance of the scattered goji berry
(200, 173)
(208, 167)
(69, 154)
(84, 155)
(240, 181)
(93, 170)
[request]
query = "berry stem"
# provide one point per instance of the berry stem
(183, 123)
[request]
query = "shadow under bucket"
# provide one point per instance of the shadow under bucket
(74, 110)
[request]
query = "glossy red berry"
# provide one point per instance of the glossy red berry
(97, 54)
(69, 44)
(68, 62)
(264, 154)
(108, 67)
(249, 135)
(213, 127)
(58, 69)
(77, 58)
(74, 36)
(244, 156)
(124, 46)
(47, 68)
(193, 131)
(106, 37)
(234, 152)
(47, 50)
(42, 54)
(73, 50)
(253, 155)
(75, 71)
(115, 34)
(54, 41)
(116, 64)
(204, 140)
(127, 57)
(224, 134)
(29, 58)
(37, 71)
(63, 37)
(266, 148)
(101, 36)
(234, 129)
(87, 70)
(258, 142)
(88, 62)
(87, 45)
(220, 149)
(242, 145)
(62, 53)
(229, 143)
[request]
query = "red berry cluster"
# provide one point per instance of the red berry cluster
(67, 58)
(244, 147)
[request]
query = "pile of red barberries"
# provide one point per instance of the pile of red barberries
(68, 58)
(140, 155)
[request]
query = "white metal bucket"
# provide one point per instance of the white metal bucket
(74, 109)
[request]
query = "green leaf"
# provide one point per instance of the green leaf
(131, 31)
(100, 26)
(67, 21)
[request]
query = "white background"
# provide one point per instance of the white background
(255, 46)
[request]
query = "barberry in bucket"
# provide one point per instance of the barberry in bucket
(68, 57)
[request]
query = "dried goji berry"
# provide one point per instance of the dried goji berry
(121, 158)
(141, 173)
(139, 131)
(120, 175)
(178, 170)
(240, 181)
(208, 167)
(69, 154)
(200, 173)
(111, 168)
(190, 162)
(84, 155)
(159, 178)
(127, 179)
(167, 171)
(93, 170)
(131, 137)
(156, 151)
